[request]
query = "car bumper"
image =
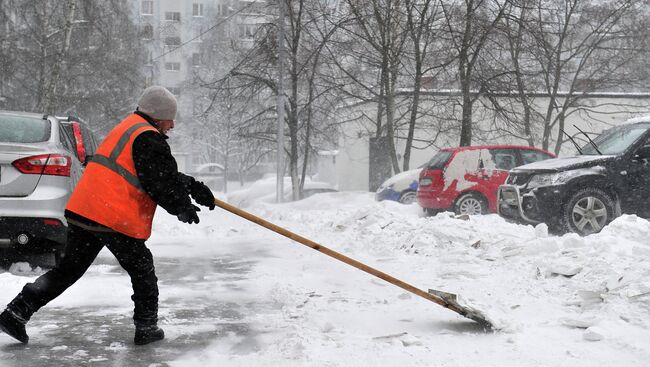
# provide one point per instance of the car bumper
(387, 194)
(534, 206)
(47, 201)
(39, 215)
(432, 200)
(34, 230)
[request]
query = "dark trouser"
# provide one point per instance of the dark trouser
(82, 248)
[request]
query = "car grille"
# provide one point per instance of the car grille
(518, 178)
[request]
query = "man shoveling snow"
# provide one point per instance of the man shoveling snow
(113, 205)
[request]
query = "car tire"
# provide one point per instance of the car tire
(407, 197)
(588, 210)
(58, 256)
(431, 212)
(471, 204)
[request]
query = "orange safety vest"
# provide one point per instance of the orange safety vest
(109, 190)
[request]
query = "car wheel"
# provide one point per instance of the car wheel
(588, 211)
(407, 197)
(470, 204)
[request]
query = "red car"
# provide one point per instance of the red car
(466, 179)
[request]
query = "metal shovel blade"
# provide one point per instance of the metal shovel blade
(464, 310)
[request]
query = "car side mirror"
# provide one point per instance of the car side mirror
(642, 154)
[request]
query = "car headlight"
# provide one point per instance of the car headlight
(558, 178)
(545, 179)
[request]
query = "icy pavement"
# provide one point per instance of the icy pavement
(233, 294)
(203, 299)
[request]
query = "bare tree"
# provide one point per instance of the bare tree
(423, 20)
(470, 24)
(73, 58)
(50, 90)
(251, 77)
(379, 25)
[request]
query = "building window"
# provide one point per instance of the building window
(196, 59)
(175, 91)
(247, 30)
(197, 10)
(197, 34)
(147, 32)
(173, 66)
(172, 41)
(221, 10)
(147, 7)
(174, 16)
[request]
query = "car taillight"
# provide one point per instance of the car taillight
(46, 164)
(79, 140)
(52, 222)
(432, 178)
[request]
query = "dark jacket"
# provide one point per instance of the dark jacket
(158, 174)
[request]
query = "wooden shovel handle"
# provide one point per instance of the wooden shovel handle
(338, 256)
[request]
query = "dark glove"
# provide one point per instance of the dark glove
(189, 215)
(202, 194)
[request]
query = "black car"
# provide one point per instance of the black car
(610, 176)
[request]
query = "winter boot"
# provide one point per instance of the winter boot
(14, 326)
(148, 334)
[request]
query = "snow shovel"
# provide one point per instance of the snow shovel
(444, 299)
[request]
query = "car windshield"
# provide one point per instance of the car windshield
(438, 161)
(616, 140)
(21, 129)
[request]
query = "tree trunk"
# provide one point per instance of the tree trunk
(466, 119)
(390, 117)
(558, 142)
(414, 111)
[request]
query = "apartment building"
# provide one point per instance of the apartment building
(176, 33)
(173, 31)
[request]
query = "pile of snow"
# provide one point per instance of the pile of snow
(596, 273)
(557, 291)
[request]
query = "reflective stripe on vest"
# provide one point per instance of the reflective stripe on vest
(109, 191)
(111, 161)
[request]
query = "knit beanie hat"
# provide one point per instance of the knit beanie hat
(158, 102)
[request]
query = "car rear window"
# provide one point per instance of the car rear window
(21, 129)
(438, 161)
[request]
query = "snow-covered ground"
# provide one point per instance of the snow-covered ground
(558, 301)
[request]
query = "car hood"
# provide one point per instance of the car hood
(403, 180)
(565, 163)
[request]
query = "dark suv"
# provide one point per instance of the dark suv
(610, 176)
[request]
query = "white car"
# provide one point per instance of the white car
(401, 187)
(41, 160)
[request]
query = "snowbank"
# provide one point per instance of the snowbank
(559, 301)
(552, 297)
